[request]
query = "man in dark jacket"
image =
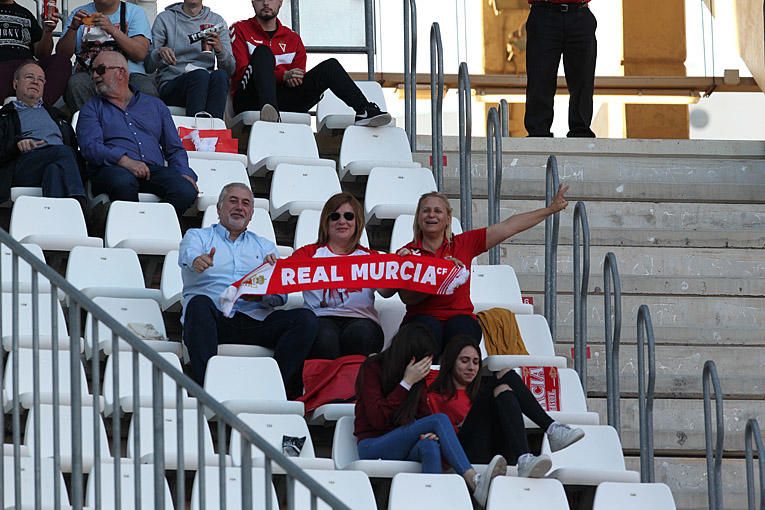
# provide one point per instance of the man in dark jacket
(37, 144)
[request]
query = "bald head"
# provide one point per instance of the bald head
(110, 75)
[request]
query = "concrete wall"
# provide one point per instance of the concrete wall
(751, 37)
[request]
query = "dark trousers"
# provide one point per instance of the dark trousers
(342, 336)
(57, 69)
(54, 167)
(166, 183)
(259, 86)
(198, 91)
(290, 333)
(445, 331)
(494, 425)
(550, 34)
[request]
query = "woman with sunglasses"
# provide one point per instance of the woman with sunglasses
(393, 420)
(348, 321)
(487, 413)
(450, 315)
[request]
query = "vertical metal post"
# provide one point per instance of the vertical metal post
(246, 463)
(752, 432)
(493, 174)
(96, 373)
(295, 14)
(158, 416)
(16, 411)
(369, 36)
(552, 225)
(36, 387)
(714, 454)
(116, 414)
(410, 71)
(76, 409)
(180, 497)
(504, 118)
(613, 338)
(581, 283)
(56, 396)
(645, 395)
(437, 104)
(466, 147)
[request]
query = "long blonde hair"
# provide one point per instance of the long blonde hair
(447, 205)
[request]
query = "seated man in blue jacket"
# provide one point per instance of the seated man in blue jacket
(126, 136)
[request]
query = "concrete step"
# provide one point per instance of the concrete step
(677, 320)
(645, 223)
(678, 425)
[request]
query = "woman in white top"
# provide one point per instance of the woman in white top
(348, 321)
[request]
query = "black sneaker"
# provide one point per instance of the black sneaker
(372, 116)
(268, 113)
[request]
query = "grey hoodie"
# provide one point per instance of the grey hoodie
(172, 28)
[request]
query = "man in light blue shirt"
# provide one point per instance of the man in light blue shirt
(213, 258)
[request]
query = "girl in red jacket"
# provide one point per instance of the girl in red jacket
(393, 419)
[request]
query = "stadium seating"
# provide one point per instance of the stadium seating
(297, 187)
(364, 148)
(333, 114)
(25, 270)
(27, 484)
(633, 496)
(573, 404)
(307, 229)
(51, 223)
(213, 174)
(108, 272)
(392, 192)
(536, 337)
(26, 331)
(350, 487)
(22, 191)
(272, 144)
(171, 282)
(233, 488)
(496, 286)
(526, 493)
(128, 497)
(413, 491)
(146, 228)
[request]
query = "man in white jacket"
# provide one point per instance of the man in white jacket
(191, 52)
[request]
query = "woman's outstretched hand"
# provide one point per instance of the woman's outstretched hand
(559, 202)
(416, 371)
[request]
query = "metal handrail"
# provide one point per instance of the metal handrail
(493, 173)
(645, 395)
(504, 117)
(714, 456)
(79, 302)
(581, 283)
(437, 104)
(752, 432)
(466, 147)
(552, 225)
(410, 71)
(613, 338)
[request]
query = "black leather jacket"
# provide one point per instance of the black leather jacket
(10, 130)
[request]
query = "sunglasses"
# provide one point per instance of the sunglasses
(349, 216)
(101, 69)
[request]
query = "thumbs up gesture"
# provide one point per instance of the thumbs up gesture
(204, 261)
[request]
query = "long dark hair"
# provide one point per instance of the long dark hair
(413, 340)
(444, 383)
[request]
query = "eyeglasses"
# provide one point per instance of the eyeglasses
(101, 69)
(349, 216)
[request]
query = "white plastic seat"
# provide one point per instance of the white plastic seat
(392, 192)
(264, 395)
(403, 232)
(89, 436)
(351, 487)
(307, 229)
(259, 224)
(201, 122)
(413, 491)
(333, 113)
(527, 493)
(391, 311)
(497, 286)
(295, 188)
(633, 496)
(25, 270)
(26, 332)
(128, 498)
(108, 272)
(177, 111)
(145, 386)
(364, 148)
(147, 228)
(573, 404)
(45, 377)
(345, 453)
(103, 199)
(51, 223)
(25, 191)
(330, 413)
(538, 341)
(594, 459)
(27, 483)
(171, 283)
(272, 143)
(190, 452)
(233, 477)
(273, 427)
(250, 117)
(142, 316)
(213, 174)
(244, 351)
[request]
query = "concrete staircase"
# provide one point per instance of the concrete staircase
(686, 220)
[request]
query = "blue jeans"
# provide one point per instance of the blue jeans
(404, 443)
(199, 91)
(54, 168)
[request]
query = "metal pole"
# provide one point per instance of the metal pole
(494, 173)
(752, 432)
(613, 338)
(714, 456)
(369, 35)
(295, 12)
(504, 117)
(581, 283)
(552, 225)
(466, 144)
(410, 71)
(437, 104)
(645, 395)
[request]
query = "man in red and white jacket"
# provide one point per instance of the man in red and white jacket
(270, 71)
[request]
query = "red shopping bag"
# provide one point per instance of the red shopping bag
(208, 140)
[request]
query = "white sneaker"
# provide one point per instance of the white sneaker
(561, 436)
(530, 466)
(497, 467)
(268, 113)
